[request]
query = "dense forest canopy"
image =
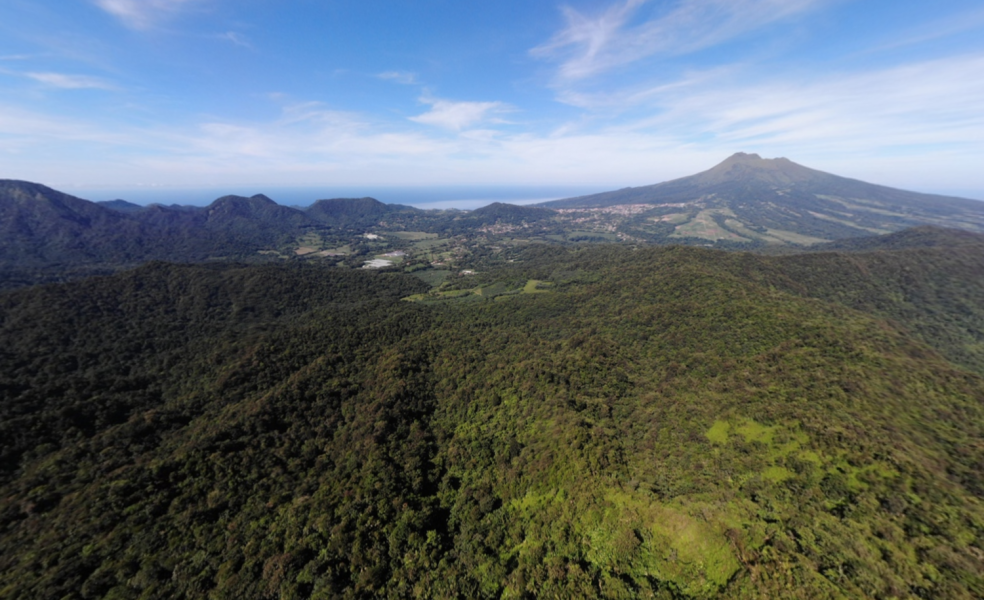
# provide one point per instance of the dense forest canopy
(591, 421)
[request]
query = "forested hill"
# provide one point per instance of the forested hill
(48, 230)
(355, 212)
(583, 422)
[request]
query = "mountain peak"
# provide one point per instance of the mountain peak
(744, 168)
(743, 157)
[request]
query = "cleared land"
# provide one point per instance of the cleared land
(704, 226)
(412, 236)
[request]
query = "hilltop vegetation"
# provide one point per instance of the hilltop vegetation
(604, 422)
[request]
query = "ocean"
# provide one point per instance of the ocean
(436, 197)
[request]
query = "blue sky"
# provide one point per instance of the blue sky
(437, 92)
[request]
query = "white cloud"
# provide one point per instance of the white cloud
(399, 77)
(71, 82)
(141, 14)
(591, 45)
(449, 114)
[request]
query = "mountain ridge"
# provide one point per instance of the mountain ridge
(745, 202)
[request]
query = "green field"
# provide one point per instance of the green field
(412, 236)
(432, 277)
(535, 286)
(431, 243)
(346, 250)
(393, 259)
(495, 291)
(795, 238)
(705, 227)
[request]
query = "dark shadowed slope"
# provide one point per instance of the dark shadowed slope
(121, 206)
(41, 226)
(355, 212)
(44, 232)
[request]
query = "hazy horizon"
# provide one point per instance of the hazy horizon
(426, 197)
(443, 197)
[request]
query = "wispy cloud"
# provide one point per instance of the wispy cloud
(618, 100)
(29, 128)
(935, 30)
(236, 38)
(71, 82)
(589, 45)
(873, 110)
(456, 116)
(399, 77)
(141, 14)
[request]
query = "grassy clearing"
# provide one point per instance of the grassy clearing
(777, 474)
(742, 229)
(718, 433)
(431, 243)
(795, 238)
(413, 236)
(535, 286)
(583, 235)
(432, 277)
(309, 243)
(770, 447)
(755, 432)
(705, 227)
(495, 291)
(342, 251)
(393, 259)
(864, 206)
(673, 218)
(776, 236)
(849, 223)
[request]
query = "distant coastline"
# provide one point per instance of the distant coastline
(426, 197)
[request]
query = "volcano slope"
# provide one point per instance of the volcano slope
(748, 200)
(662, 422)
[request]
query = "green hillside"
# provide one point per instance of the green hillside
(607, 422)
